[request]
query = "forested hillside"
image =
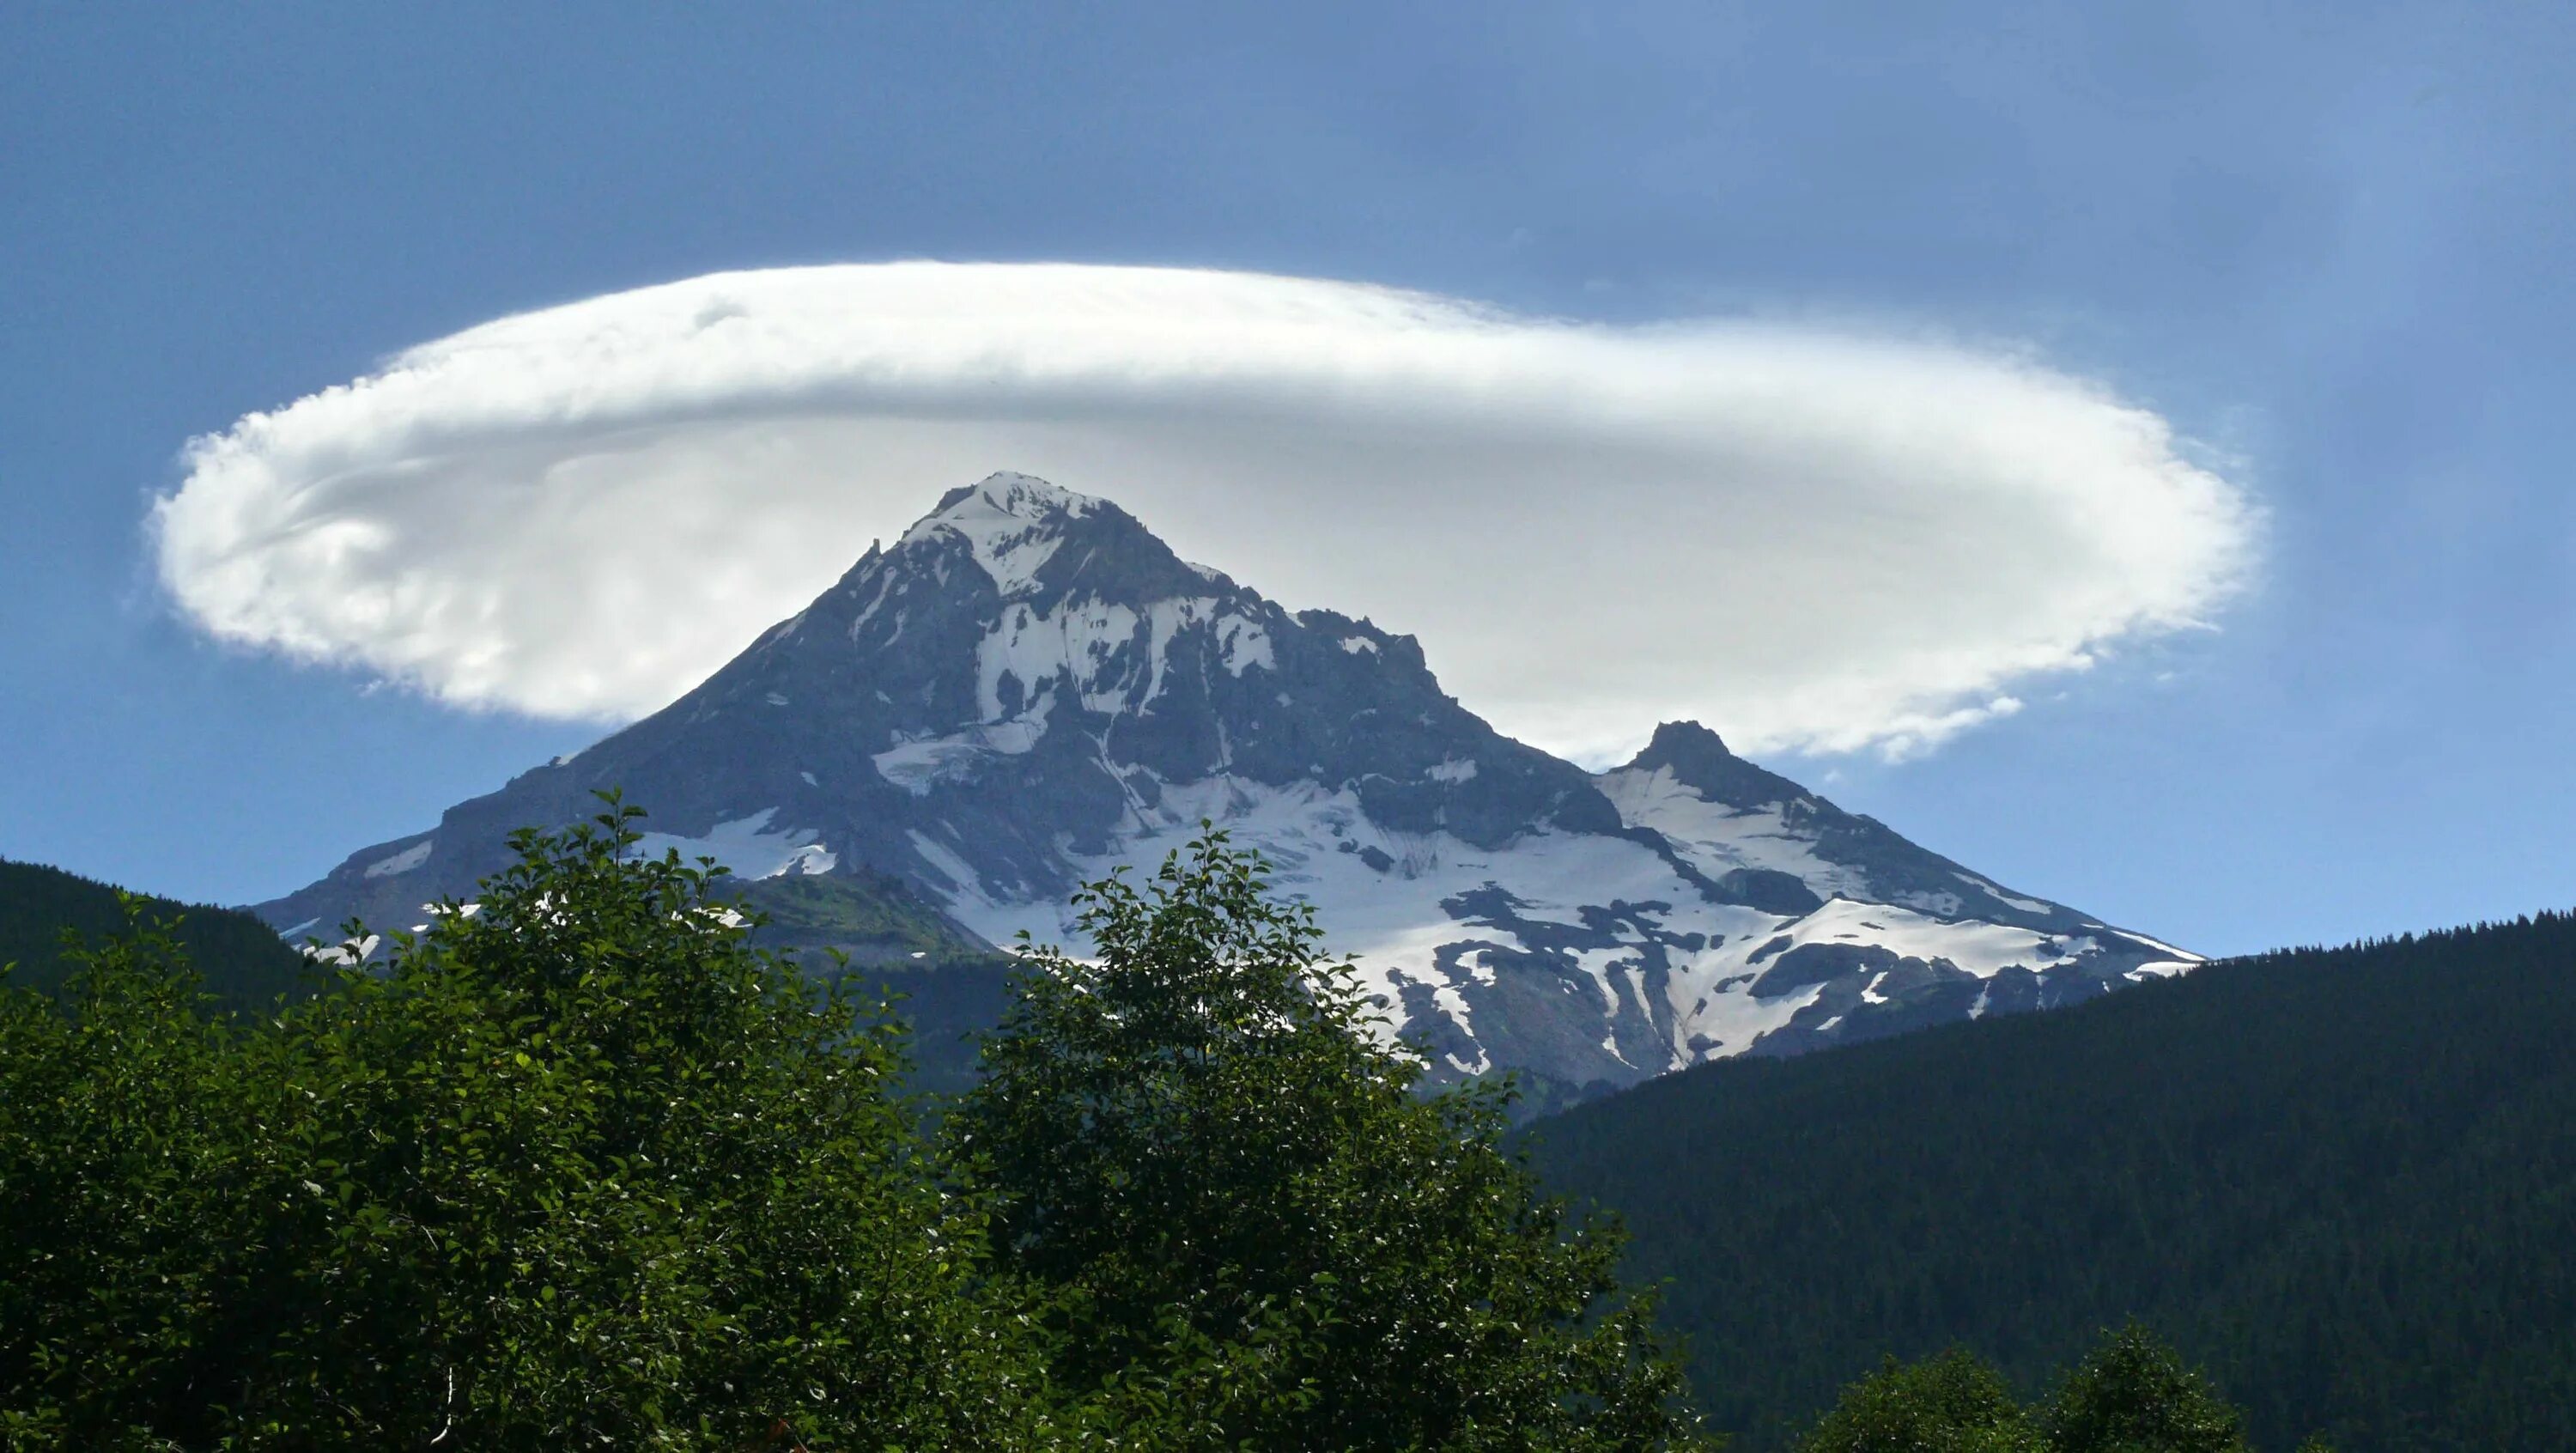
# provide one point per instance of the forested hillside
(244, 963)
(2344, 1181)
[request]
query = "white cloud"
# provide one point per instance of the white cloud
(1808, 539)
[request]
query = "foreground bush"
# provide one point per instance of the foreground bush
(577, 1166)
(579, 1169)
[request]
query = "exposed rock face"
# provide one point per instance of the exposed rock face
(1029, 688)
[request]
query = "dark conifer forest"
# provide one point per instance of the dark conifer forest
(2341, 1181)
(241, 960)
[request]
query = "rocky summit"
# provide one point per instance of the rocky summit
(1028, 689)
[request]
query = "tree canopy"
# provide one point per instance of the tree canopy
(2129, 1394)
(583, 1166)
(578, 1169)
(1196, 1138)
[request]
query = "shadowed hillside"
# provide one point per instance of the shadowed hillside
(244, 963)
(2343, 1180)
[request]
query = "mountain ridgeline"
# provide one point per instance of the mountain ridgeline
(1029, 689)
(2343, 1181)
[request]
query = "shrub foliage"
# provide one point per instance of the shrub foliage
(582, 1167)
(1194, 1139)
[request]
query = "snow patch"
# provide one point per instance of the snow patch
(966, 888)
(2185, 956)
(919, 766)
(748, 846)
(401, 862)
(1939, 905)
(1011, 523)
(1114, 657)
(1718, 839)
(2026, 905)
(1243, 644)
(1983, 949)
(1392, 922)
(1085, 643)
(347, 951)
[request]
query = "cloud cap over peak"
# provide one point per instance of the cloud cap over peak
(1812, 539)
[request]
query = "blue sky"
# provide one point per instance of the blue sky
(2323, 242)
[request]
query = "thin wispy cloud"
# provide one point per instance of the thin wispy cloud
(1810, 539)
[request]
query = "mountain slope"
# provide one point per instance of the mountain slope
(242, 962)
(2344, 1181)
(1029, 689)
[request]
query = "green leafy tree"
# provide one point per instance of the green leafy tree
(116, 1123)
(1198, 1142)
(2132, 1394)
(1951, 1403)
(578, 1168)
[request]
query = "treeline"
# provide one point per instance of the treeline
(590, 1168)
(2343, 1181)
(240, 961)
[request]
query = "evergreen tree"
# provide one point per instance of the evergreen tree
(1197, 1141)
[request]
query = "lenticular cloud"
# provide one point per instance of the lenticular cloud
(1808, 539)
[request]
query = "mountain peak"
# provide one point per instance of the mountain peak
(1022, 497)
(1682, 739)
(1012, 523)
(1698, 759)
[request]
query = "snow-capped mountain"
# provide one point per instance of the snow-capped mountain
(1029, 688)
